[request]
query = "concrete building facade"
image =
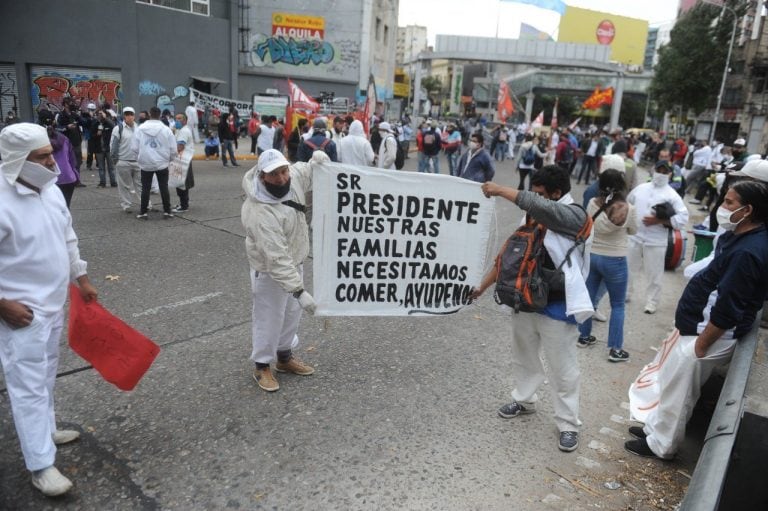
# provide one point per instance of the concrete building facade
(144, 53)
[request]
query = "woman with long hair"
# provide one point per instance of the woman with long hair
(614, 221)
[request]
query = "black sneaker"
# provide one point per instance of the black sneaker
(179, 209)
(618, 356)
(637, 432)
(168, 215)
(142, 216)
(585, 342)
(640, 448)
(569, 441)
(514, 409)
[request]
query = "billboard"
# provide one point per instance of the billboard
(625, 36)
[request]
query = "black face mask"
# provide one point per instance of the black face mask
(278, 191)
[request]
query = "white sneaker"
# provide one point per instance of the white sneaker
(650, 308)
(51, 482)
(64, 436)
(599, 316)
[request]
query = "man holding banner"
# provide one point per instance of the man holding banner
(277, 243)
(551, 330)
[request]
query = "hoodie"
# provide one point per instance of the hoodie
(354, 149)
(154, 145)
(276, 235)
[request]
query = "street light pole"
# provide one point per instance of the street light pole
(725, 71)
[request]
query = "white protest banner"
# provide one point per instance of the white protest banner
(203, 100)
(389, 243)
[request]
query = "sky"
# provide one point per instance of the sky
(479, 17)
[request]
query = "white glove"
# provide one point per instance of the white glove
(307, 302)
(319, 157)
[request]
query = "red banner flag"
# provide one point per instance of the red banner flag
(504, 106)
(300, 100)
(119, 353)
(598, 98)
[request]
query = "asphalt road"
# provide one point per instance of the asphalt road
(401, 413)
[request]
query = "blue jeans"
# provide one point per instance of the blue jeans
(501, 151)
(226, 147)
(453, 161)
(424, 163)
(613, 272)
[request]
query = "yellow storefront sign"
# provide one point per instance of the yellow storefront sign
(298, 21)
(627, 37)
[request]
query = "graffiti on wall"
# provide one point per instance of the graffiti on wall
(49, 91)
(295, 52)
(9, 92)
(150, 88)
(163, 101)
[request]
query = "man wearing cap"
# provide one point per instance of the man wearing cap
(39, 257)
(155, 147)
(318, 141)
(388, 147)
(185, 146)
(658, 208)
(124, 158)
(277, 243)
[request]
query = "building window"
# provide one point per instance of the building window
(732, 97)
(201, 7)
(758, 80)
(386, 35)
(378, 29)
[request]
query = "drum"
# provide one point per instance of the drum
(676, 245)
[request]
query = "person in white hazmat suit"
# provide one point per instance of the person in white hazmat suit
(39, 257)
(277, 243)
(355, 149)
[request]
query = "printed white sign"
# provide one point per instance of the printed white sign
(203, 100)
(390, 243)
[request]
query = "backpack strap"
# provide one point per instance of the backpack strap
(311, 145)
(295, 205)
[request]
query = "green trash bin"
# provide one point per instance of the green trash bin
(703, 244)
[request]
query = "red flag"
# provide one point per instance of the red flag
(538, 122)
(504, 106)
(598, 98)
(553, 124)
(119, 353)
(300, 100)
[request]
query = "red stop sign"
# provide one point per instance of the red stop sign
(606, 31)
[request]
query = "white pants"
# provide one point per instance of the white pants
(275, 316)
(193, 128)
(531, 333)
(680, 376)
(651, 260)
(128, 183)
(30, 357)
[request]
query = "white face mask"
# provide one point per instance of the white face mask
(660, 180)
(473, 145)
(724, 218)
(38, 175)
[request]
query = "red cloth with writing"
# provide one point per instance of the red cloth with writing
(119, 353)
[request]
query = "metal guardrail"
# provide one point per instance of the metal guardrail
(706, 484)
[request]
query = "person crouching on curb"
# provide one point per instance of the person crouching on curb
(550, 204)
(277, 243)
